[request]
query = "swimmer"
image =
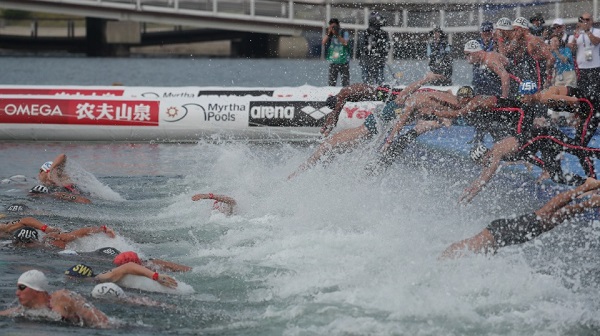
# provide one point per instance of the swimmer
(505, 232)
(41, 190)
(112, 291)
(154, 264)
(349, 138)
(33, 294)
(52, 174)
(224, 204)
(28, 237)
(8, 228)
(116, 274)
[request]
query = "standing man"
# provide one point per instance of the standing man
(337, 53)
(372, 50)
(587, 42)
(440, 59)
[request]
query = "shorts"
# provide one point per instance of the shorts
(387, 114)
(518, 230)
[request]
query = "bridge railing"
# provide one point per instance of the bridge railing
(452, 16)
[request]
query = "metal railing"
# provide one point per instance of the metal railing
(402, 17)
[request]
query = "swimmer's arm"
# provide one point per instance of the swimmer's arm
(496, 154)
(361, 90)
(73, 306)
(219, 198)
(168, 265)
(56, 173)
(66, 196)
(83, 232)
(10, 311)
(131, 268)
(402, 121)
(414, 86)
(574, 209)
(36, 224)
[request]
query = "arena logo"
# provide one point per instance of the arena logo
(210, 113)
(32, 110)
(288, 113)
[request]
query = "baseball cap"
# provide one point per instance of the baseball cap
(504, 24)
(473, 46)
(465, 92)
(127, 257)
(39, 189)
(25, 235)
(35, 280)
(558, 22)
(80, 271)
(521, 22)
(486, 26)
(46, 166)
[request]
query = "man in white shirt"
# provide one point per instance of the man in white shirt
(587, 41)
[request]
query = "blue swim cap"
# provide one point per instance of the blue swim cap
(80, 271)
(528, 87)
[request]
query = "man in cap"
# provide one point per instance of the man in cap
(559, 30)
(116, 274)
(503, 35)
(42, 190)
(33, 294)
(533, 59)
(10, 227)
(486, 81)
(494, 64)
(154, 264)
(28, 236)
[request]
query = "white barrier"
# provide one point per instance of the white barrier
(118, 113)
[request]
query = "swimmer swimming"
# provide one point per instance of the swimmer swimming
(33, 294)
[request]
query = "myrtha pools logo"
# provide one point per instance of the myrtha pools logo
(212, 112)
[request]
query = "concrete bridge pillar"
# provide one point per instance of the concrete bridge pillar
(256, 45)
(111, 38)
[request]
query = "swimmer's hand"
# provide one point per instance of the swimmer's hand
(467, 195)
(198, 197)
(167, 281)
(109, 232)
(430, 77)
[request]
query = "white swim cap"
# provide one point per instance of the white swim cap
(521, 22)
(35, 280)
(473, 46)
(107, 290)
(46, 166)
(478, 152)
(504, 24)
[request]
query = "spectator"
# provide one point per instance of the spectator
(558, 29)
(587, 42)
(372, 50)
(485, 81)
(537, 25)
(337, 53)
(440, 60)
(565, 65)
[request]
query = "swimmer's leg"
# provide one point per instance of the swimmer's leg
(343, 139)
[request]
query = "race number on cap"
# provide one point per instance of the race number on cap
(473, 46)
(521, 22)
(528, 88)
(39, 189)
(504, 24)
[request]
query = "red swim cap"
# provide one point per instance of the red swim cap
(127, 257)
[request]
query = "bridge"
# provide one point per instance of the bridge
(115, 25)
